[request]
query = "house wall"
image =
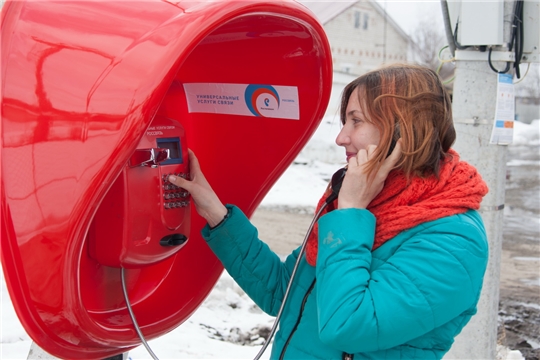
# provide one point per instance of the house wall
(357, 38)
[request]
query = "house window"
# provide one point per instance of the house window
(366, 20)
(357, 19)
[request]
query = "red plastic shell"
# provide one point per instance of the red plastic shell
(81, 82)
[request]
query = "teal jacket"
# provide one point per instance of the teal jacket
(408, 299)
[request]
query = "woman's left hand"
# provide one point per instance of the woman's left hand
(358, 190)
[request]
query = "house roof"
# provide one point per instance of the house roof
(326, 10)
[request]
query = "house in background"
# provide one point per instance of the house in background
(362, 35)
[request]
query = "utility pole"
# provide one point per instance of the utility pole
(474, 109)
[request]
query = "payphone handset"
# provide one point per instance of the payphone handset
(144, 218)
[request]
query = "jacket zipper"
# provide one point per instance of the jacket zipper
(297, 320)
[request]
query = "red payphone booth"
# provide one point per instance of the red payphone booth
(100, 102)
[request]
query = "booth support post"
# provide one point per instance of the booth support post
(474, 106)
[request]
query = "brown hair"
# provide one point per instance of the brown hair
(407, 101)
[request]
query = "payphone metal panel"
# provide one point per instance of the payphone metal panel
(143, 209)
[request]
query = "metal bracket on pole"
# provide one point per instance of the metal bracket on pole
(506, 56)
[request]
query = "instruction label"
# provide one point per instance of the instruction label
(259, 100)
(503, 126)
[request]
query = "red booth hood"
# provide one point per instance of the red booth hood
(82, 81)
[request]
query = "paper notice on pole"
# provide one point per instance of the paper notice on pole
(257, 100)
(503, 126)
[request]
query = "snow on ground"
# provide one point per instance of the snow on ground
(228, 317)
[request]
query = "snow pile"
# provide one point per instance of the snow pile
(527, 134)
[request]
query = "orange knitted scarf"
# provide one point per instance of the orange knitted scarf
(401, 206)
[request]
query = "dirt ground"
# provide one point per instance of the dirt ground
(519, 310)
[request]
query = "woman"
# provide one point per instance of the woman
(394, 267)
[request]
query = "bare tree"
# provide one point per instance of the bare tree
(428, 41)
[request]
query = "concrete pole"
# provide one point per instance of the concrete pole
(474, 104)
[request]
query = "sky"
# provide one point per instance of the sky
(409, 13)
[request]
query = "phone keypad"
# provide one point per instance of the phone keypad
(174, 196)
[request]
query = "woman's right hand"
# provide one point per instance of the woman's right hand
(358, 190)
(206, 200)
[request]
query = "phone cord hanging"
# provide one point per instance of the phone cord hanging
(132, 315)
(335, 183)
(278, 317)
(293, 274)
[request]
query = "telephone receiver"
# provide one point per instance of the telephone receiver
(392, 146)
(335, 184)
(394, 140)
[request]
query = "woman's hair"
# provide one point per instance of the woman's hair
(408, 102)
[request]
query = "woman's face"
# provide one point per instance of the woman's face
(357, 132)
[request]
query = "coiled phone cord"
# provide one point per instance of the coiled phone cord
(336, 182)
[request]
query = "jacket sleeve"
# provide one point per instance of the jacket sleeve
(251, 263)
(430, 279)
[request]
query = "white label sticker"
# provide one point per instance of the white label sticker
(503, 127)
(243, 99)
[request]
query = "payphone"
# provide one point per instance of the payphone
(144, 218)
(100, 102)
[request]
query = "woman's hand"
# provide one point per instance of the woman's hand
(206, 200)
(358, 190)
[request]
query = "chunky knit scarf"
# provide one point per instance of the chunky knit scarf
(401, 205)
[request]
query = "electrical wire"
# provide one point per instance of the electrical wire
(448, 27)
(493, 67)
(456, 43)
(442, 62)
(525, 75)
(132, 315)
(518, 21)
